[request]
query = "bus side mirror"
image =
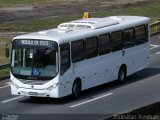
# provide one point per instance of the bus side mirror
(7, 52)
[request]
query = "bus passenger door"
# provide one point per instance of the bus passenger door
(65, 69)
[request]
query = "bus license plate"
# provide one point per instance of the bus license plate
(33, 93)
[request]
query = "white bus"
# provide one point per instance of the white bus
(78, 55)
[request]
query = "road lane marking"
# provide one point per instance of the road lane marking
(12, 99)
(8, 83)
(4, 86)
(157, 53)
(91, 100)
(154, 46)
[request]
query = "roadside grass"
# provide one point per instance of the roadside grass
(4, 3)
(150, 9)
(37, 24)
(21, 1)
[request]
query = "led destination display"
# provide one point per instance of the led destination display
(34, 43)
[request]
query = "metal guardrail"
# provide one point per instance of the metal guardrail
(4, 66)
(155, 29)
(4, 62)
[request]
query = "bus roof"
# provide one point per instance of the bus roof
(80, 29)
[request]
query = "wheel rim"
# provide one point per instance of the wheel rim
(122, 75)
(75, 90)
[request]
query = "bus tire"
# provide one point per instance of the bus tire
(122, 74)
(76, 89)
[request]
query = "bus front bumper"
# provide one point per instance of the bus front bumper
(54, 93)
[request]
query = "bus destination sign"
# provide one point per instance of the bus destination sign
(35, 42)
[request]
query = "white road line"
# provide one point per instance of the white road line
(8, 83)
(154, 46)
(12, 99)
(157, 53)
(4, 86)
(91, 100)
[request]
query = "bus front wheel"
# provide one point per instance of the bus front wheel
(122, 74)
(76, 89)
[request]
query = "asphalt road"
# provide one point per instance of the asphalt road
(141, 89)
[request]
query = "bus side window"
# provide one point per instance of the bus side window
(129, 38)
(141, 34)
(91, 47)
(65, 57)
(78, 51)
(117, 42)
(104, 44)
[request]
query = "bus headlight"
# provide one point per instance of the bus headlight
(53, 86)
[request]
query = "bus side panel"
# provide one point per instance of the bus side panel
(115, 60)
(142, 56)
(87, 71)
(99, 70)
(106, 69)
(66, 81)
(130, 59)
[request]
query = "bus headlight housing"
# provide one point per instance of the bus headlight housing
(53, 86)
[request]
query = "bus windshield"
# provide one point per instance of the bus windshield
(34, 61)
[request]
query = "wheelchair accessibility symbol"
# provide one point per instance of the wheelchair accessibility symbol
(36, 72)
